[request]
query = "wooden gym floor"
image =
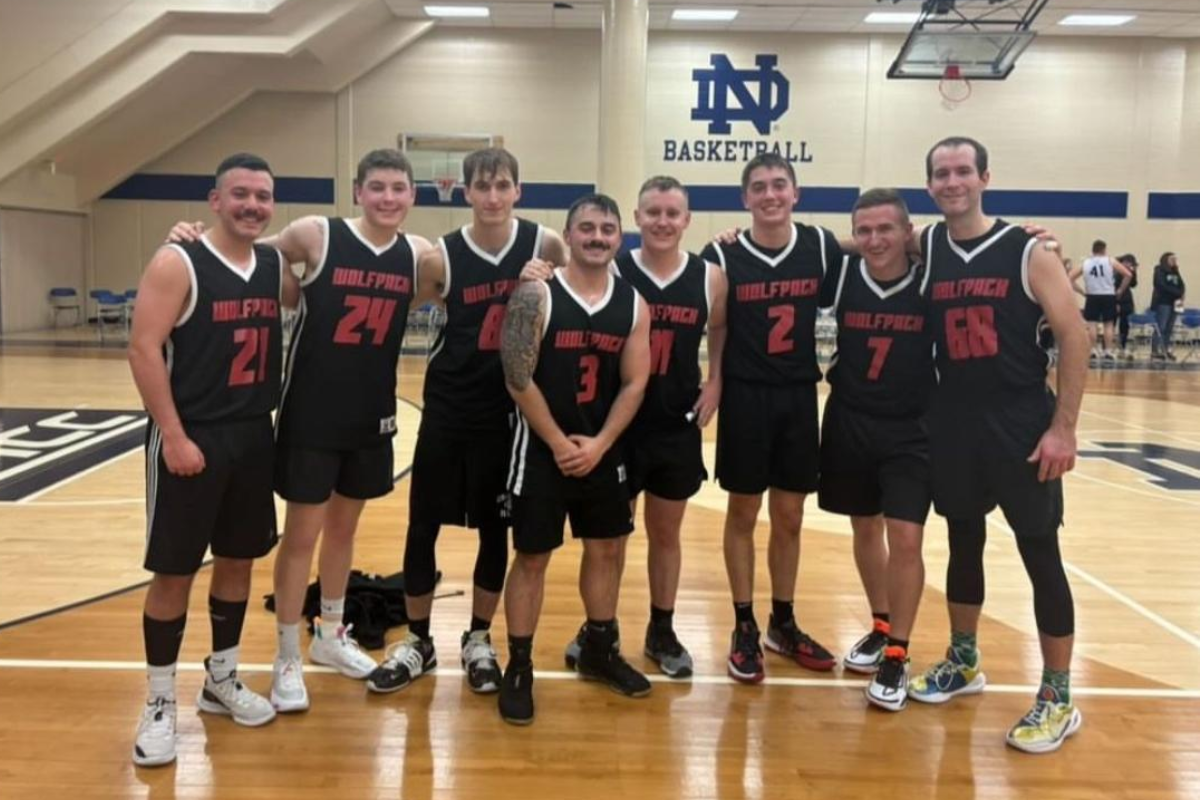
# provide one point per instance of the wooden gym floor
(71, 679)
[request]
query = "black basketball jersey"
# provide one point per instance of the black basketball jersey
(340, 388)
(984, 318)
(883, 365)
(578, 372)
(464, 383)
(678, 315)
(772, 306)
(224, 354)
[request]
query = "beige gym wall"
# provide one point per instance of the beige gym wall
(1112, 114)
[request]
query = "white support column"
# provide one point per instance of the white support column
(623, 102)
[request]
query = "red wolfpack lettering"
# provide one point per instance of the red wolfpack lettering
(679, 315)
(487, 291)
(866, 321)
(369, 279)
(581, 340)
(248, 308)
(971, 287)
(771, 290)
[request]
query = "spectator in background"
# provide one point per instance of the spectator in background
(1168, 289)
(1125, 303)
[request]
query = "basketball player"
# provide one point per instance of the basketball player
(338, 414)
(767, 434)
(461, 461)
(874, 448)
(205, 355)
(686, 296)
(997, 435)
(1099, 281)
(576, 355)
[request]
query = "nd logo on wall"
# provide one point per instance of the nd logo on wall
(725, 96)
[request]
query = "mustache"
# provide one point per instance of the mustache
(597, 245)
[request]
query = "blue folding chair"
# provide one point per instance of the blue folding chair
(65, 298)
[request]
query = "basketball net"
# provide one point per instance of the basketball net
(954, 88)
(445, 189)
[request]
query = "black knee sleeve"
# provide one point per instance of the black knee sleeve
(1053, 606)
(964, 573)
(420, 559)
(492, 561)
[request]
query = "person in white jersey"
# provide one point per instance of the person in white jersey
(1100, 288)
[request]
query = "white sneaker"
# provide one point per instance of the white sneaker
(479, 662)
(154, 744)
(288, 692)
(342, 653)
(231, 698)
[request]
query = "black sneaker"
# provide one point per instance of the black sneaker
(745, 655)
(663, 648)
(407, 660)
(571, 654)
(479, 662)
(791, 642)
(889, 688)
(608, 666)
(516, 695)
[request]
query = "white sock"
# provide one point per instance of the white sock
(332, 610)
(162, 682)
(289, 642)
(223, 664)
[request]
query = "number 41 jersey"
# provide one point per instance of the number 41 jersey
(984, 318)
(340, 388)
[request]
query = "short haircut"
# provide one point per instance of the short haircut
(770, 160)
(1099, 246)
(384, 158)
(243, 161)
(600, 201)
(490, 161)
(981, 153)
(662, 183)
(873, 198)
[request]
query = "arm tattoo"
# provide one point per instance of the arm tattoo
(521, 335)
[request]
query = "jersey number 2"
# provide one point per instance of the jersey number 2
(255, 343)
(779, 340)
(373, 313)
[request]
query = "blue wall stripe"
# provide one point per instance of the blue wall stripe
(813, 199)
(195, 188)
(1167, 205)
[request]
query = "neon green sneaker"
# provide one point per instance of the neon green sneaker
(947, 679)
(1046, 726)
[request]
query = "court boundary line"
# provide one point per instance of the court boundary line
(1166, 693)
(1117, 595)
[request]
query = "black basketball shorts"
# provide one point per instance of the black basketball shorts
(311, 474)
(873, 465)
(458, 477)
(228, 507)
(1100, 308)
(597, 506)
(978, 459)
(666, 463)
(767, 437)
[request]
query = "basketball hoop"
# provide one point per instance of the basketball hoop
(445, 189)
(954, 88)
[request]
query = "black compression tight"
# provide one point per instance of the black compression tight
(420, 558)
(1053, 606)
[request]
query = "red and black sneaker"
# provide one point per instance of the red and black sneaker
(789, 641)
(745, 655)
